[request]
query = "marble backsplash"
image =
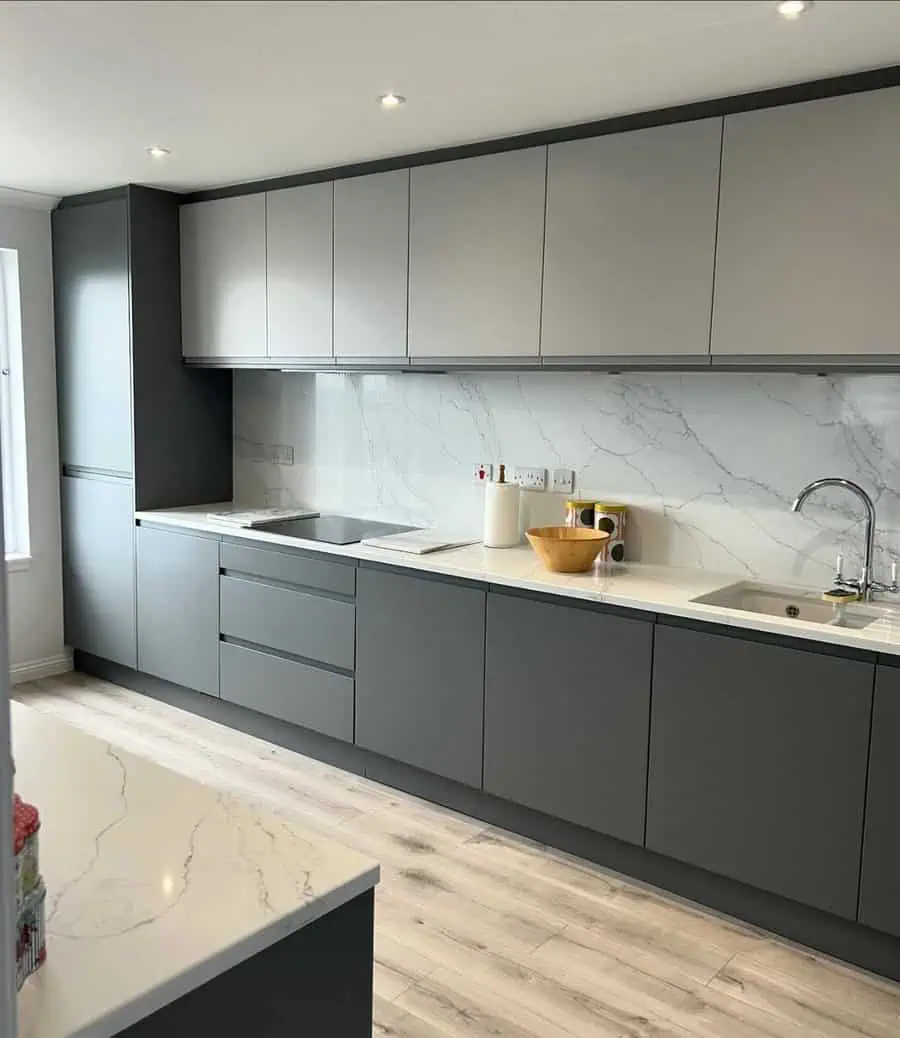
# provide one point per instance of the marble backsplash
(708, 462)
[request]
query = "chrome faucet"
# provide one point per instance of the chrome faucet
(864, 585)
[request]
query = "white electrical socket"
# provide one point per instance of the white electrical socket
(483, 472)
(562, 481)
(530, 479)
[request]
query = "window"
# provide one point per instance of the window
(12, 413)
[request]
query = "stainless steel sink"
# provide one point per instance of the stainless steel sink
(790, 603)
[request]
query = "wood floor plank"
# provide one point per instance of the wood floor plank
(393, 1021)
(826, 1006)
(480, 1014)
(480, 932)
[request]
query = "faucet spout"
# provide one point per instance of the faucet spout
(864, 584)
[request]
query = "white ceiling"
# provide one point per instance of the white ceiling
(241, 91)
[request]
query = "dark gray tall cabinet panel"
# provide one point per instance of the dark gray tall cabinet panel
(758, 758)
(182, 416)
(98, 568)
(420, 672)
(178, 608)
(879, 899)
(566, 713)
(129, 411)
(90, 270)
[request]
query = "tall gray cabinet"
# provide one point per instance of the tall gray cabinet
(137, 428)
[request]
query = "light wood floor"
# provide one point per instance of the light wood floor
(481, 933)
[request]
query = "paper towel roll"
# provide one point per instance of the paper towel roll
(501, 515)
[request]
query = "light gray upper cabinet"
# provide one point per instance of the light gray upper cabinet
(630, 246)
(223, 278)
(178, 607)
(475, 256)
(371, 263)
(299, 271)
(809, 229)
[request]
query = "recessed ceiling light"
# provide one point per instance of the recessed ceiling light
(156, 152)
(792, 9)
(391, 100)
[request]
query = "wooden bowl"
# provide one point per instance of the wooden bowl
(567, 549)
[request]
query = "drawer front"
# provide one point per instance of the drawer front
(316, 628)
(295, 692)
(338, 578)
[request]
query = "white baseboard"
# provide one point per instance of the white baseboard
(48, 667)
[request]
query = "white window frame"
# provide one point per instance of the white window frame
(13, 446)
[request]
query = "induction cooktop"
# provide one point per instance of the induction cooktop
(333, 529)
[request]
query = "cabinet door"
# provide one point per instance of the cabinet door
(475, 256)
(93, 336)
(223, 277)
(758, 764)
(299, 271)
(178, 608)
(631, 236)
(809, 229)
(879, 901)
(420, 672)
(371, 253)
(567, 712)
(98, 568)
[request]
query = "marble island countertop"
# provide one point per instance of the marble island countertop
(656, 589)
(155, 883)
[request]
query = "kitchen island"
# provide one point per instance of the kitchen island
(173, 908)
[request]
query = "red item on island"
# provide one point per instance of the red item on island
(26, 824)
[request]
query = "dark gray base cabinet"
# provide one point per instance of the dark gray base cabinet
(758, 757)
(98, 568)
(567, 711)
(420, 672)
(178, 608)
(300, 693)
(879, 899)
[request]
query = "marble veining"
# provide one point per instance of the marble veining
(709, 462)
(140, 864)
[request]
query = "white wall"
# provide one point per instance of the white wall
(35, 593)
(707, 462)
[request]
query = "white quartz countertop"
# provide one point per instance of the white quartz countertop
(656, 589)
(155, 883)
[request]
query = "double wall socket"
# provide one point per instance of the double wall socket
(530, 479)
(562, 481)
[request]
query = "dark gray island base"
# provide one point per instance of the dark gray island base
(317, 981)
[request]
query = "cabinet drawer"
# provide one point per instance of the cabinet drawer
(320, 629)
(339, 578)
(295, 692)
